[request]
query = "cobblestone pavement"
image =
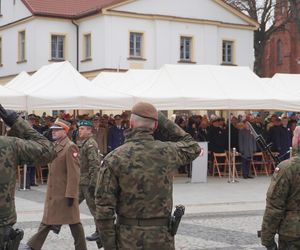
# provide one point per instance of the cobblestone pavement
(213, 231)
(207, 229)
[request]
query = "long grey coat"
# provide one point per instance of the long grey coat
(247, 143)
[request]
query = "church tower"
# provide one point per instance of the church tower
(282, 50)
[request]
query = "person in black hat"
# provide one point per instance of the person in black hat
(115, 134)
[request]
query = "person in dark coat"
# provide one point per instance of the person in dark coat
(217, 137)
(115, 134)
(280, 137)
(203, 131)
(234, 133)
(247, 147)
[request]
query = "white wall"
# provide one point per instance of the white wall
(95, 26)
(38, 44)
(162, 41)
(198, 9)
(12, 12)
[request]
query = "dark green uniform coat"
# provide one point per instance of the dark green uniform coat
(136, 180)
(282, 213)
(29, 147)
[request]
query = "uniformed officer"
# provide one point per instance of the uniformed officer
(100, 135)
(61, 205)
(27, 147)
(282, 214)
(116, 134)
(135, 182)
(89, 166)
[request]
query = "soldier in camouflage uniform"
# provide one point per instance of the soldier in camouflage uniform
(135, 182)
(89, 166)
(282, 214)
(27, 147)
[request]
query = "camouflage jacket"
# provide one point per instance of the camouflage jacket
(30, 147)
(282, 214)
(136, 179)
(89, 161)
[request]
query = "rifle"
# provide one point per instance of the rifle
(263, 145)
(175, 219)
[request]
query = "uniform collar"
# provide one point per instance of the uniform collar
(60, 144)
(137, 134)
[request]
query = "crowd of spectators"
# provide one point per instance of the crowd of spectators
(276, 130)
(108, 133)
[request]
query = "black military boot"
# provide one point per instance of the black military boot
(93, 237)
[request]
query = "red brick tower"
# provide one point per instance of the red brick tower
(282, 50)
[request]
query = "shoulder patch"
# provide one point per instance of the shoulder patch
(75, 154)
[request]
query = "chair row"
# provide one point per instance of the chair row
(224, 163)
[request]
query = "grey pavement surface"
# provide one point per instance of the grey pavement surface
(219, 215)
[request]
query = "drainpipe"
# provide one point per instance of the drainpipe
(77, 44)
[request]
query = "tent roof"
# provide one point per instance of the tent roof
(204, 87)
(18, 81)
(12, 99)
(286, 89)
(61, 86)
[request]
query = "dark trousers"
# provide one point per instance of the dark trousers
(246, 166)
(31, 174)
(37, 241)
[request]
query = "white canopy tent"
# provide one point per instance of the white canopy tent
(13, 98)
(18, 81)
(205, 87)
(60, 86)
(131, 81)
(286, 89)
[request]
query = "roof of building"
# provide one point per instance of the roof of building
(68, 8)
(74, 9)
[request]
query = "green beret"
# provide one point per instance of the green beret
(85, 123)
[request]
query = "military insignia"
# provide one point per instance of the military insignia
(75, 154)
(276, 171)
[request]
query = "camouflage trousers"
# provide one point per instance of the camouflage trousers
(288, 244)
(90, 201)
(144, 238)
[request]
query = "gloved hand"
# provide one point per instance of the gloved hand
(91, 190)
(8, 116)
(70, 202)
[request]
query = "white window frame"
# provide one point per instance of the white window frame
(135, 44)
(186, 48)
(55, 55)
(22, 46)
(227, 52)
(87, 46)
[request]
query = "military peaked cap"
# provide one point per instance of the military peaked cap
(61, 124)
(145, 110)
(85, 123)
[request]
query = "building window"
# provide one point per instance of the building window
(21, 46)
(185, 48)
(136, 44)
(279, 52)
(57, 47)
(227, 52)
(87, 46)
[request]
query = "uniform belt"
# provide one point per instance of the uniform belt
(143, 222)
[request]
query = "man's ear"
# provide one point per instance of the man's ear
(155, 125)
